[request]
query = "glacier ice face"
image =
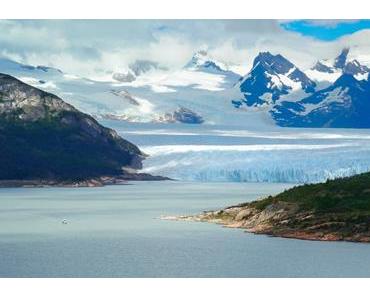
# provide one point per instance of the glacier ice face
(217, 154)
(276, 165)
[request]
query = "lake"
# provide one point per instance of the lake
(114, 231)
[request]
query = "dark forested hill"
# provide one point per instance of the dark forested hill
(43, 137)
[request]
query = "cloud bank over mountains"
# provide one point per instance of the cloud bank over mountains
(98, 48)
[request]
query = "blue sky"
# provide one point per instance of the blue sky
(326, 30)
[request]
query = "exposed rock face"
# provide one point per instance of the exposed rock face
(126, 96)
(136, 69)
(181, 115)
(340, 61)
(185, 115)
(124, 77)
(19, 101)
(284, 220)
(336, 210)
(41, 136)
(344, 104)
(334, 95)
(342, 64)
(271, 77)
(139, 67)
(319, 66)
(203, 62)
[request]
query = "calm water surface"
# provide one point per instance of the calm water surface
(113, 232)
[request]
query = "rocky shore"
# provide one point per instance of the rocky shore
(92, 182)
(337, 210)
(282, 221)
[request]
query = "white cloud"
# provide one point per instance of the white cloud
(98, 48)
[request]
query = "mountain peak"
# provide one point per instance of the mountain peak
(271, 77)
(21, 101)
(354, 67)
(341, 59)
(346, 79)
(322, 66)
(343, 63)
(264, 56)
(276, 63)
(203, 61)
(199, 58)
(201, 53)
(344, 104)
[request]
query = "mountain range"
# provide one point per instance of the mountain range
(332, 93)
(296, 99)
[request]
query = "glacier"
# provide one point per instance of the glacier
(232, 144)
(212, 153)
(304, 165)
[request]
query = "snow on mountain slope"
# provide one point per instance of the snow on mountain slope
(228, 143)
(345, 104)
(201, 72)
(341, 98)
(331, 69)
(205, 91)
(184, 95)
(164, 82)
(271, 78)
(94, 97)
(203, 62)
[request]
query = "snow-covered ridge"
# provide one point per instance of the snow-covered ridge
(331, 69)
(206, 87)
(232, 144)
(271, 78)
(203, 59)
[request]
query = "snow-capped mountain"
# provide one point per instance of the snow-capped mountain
(344, 104)
(136, 69)
(226, 143)
(331, 69)
(201, 66)
(177, 96)
(140, 67)
(341, 100)
(202, 61)
(271, 77)
(201, 92)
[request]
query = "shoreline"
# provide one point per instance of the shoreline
(275, 222)
(101, 181)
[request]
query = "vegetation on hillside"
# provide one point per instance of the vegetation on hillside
(338, 209)
(43, 137)
(348, 194)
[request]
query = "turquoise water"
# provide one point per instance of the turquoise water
(114, 232)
